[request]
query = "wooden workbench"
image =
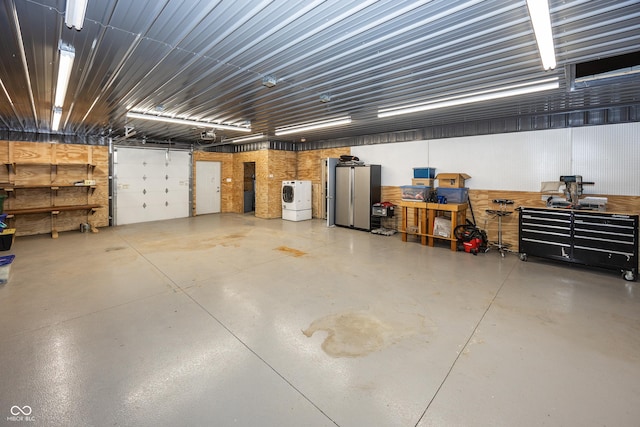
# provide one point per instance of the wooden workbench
(424, 215)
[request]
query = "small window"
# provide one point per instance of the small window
(605, 70)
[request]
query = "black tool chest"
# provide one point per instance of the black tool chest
(594, 238)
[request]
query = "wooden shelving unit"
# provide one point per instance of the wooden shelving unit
(39, 181)
(424, 215)
(53, 208)
(54, 211)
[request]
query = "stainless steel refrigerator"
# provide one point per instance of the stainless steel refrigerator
(357, 189)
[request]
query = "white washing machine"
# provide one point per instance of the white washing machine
(296, 200)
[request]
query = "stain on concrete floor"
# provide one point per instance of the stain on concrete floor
(290, 251)
(115, 248)
(193, 242)
(358, 333)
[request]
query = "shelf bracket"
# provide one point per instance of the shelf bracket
(54, 230)
(54, 172)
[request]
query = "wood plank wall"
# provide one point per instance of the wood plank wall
(272, 167)
(310, 169)
(39, 163)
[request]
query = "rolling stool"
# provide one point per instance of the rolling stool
(499, 213)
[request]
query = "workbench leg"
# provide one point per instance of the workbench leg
(454, 224)
(430, 220)
(54, 231)
(423, 226)
(403, 231)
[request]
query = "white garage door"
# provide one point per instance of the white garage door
(151, 184)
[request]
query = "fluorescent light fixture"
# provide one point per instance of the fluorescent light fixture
(187, 122)
(248, 138)
(4, 89)
(485, 95)
(74, 15)
(67, 54)
(57, 115)
(315, 125)
(65, 65)
(541, 20)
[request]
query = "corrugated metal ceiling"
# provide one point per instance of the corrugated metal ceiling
(206, 60)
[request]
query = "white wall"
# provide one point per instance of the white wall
(607, 155)
(610, 157)
(397, 160)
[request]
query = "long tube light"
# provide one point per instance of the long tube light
(315, 125)
(57, 115)
(143, 116)
(65, 65)
(4, 90)
(504, 92)
(67, 55)
(255, 137)
(541, 21)
(74, 15)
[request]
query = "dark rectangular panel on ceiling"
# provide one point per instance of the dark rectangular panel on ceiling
(606, 65)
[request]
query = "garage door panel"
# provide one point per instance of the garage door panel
(151, 185)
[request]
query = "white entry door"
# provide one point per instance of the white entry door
(207, 187)
(152, 184)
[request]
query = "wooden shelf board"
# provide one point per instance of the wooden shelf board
(50, 209)
(36, 186)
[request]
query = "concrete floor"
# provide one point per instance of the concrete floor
(231, 320)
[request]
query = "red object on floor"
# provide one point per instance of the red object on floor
(472, 246)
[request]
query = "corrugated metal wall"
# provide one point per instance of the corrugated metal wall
(397, 160)
(517, 162)
(608, 155)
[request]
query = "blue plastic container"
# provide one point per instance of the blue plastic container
(454, 195)
(5, 268)
(424, 172)
(415, 193)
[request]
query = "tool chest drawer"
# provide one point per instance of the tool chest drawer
(553, 228)
(591, 238)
